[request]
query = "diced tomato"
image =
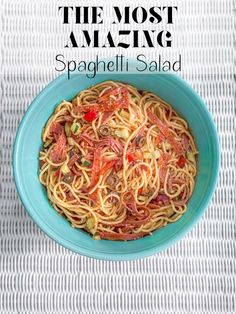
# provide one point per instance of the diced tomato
(131, 157)
(140, 191)
(91, 115)
(181, 162)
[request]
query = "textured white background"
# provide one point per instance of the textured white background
(197, 275)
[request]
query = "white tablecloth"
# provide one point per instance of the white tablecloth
(197, 275)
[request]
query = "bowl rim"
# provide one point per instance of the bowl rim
(111, 256)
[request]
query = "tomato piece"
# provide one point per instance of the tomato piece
(181, 162)
(131, 157)
(91, 115)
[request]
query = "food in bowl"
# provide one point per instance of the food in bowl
(118, 162)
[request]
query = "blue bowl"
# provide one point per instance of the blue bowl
(26, 165)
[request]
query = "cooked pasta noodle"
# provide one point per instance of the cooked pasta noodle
(117, 161)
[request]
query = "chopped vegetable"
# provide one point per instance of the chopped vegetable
(167, 145)
(68, 178)
(152, 155)
(134, 156)
(142, 198)
(65, 169)
(70, 141)
(90, 223)
(124, 114)
(96, 236)
(76, 128)
(124, 133)
(131, 157)
(190, 156)
(67, 129)
(86, 163)
(104, 130)
(181, 162)
(91, 115)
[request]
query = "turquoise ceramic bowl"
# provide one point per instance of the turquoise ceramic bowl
(28, 143)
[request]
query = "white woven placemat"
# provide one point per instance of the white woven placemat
(197, 275)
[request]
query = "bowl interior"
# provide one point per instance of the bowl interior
(33, 195)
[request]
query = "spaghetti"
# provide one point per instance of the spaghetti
(117, 162)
